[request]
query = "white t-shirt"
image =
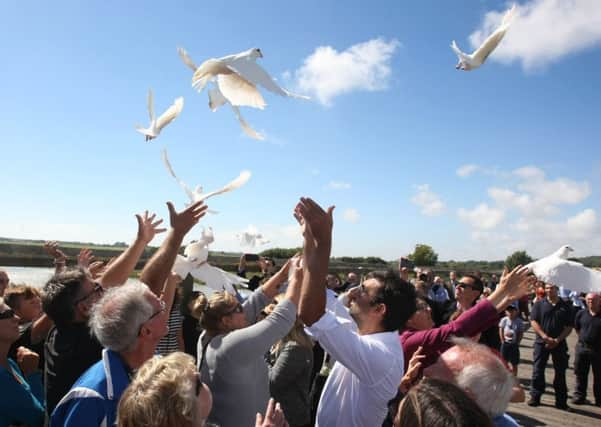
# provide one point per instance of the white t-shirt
(366, 375)
(511, 329)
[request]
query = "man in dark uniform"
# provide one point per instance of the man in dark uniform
(588, 349)
(552, 320)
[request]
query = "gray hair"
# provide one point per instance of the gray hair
(485, 377)
(117, 317)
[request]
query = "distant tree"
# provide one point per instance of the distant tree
(517, 258)
(374, 260)
(120, 244)
(280, 253)
(424, 255)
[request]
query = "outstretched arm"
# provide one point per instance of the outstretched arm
(157, 269)
(118, 271)
(316, 226)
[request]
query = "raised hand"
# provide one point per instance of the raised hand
(52, 249)
(96, 269)
(274, 416)
(411, 376)
(183, 221)
(148, 227)
(85, 257)
(517, 282)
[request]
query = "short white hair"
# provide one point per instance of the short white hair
(117, 317)
(484, 377)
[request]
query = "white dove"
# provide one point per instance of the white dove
(239, 77)
(195, 262)
(156, 125)
(197, 194)
(251, 237)
(558, 270)
(216, 98)
(468, 62)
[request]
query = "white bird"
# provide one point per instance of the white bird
(156, 125)
(229, 81)
(558, 270)
(242, 75)
(197, 194)
(468, 62)
(195, 262)
(251, 237)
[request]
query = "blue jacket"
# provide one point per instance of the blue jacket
(22, 401)
(93, 399)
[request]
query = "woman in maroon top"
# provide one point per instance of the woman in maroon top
(418, 330)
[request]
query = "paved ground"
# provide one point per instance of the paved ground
(546, 414)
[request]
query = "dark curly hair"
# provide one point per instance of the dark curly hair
(60, 294)
(397, 295)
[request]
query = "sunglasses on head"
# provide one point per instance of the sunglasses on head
(7, 314)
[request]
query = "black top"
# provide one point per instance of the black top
(69, 353)
(589, 329)
(552, 318)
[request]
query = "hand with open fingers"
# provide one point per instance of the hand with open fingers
(183, 221)
(27, 361)
(52, 249)
(148, 227)
(411, 376)
(517, 282)
(274, 416)
(84, 258)
(96, 269)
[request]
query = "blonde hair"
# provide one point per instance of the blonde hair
(162, 394)
(211, 310)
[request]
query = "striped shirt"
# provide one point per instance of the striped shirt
(169, 343)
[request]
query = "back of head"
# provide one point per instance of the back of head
(60, 294)
(398, 296)
(162, 394)
(436, 403)
(117, 317)
(483, 376)
(211, 310)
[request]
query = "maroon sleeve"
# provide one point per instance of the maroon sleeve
(436, 340)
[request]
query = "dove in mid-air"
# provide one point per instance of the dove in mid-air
(251, 237)
(558, 270)
(216, 98)
(471, 61)
(239, 75)
(195, 262)
(156, 125)
(197, 194)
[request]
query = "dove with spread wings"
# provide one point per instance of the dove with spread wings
(156, 125)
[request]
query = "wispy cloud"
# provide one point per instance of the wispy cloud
(351, 215)
(429, 202)
(338, 185)
(544, 31)
(466, 170)
(482, 217)
(328, 73)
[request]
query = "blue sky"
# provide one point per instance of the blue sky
(476, 164)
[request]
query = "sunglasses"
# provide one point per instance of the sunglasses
(7, 314)
(98, 289)
(237, 309)
(463, 285)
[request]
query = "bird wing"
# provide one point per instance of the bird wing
(246, 127)
(495, 38)
(182, 184)
(207, 71)
(458, 52)
(150, 102)
(181, 266)
(569, 274)
(171, 113)
(239, 91)
(236, 183)
(217, 279)
(254, 73)
(216, 98)
(186, 58)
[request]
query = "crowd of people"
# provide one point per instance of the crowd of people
(303, 348)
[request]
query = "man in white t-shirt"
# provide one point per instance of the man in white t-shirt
(369, 358)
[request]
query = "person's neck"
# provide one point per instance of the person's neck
(136, 358)
(367, 328)
(553, 300)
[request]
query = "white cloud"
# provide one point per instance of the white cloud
(428, 201)
(544, 31)
(327, 73)
(482, 217)
(338, 185)
(466, 170)
(351, 215)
